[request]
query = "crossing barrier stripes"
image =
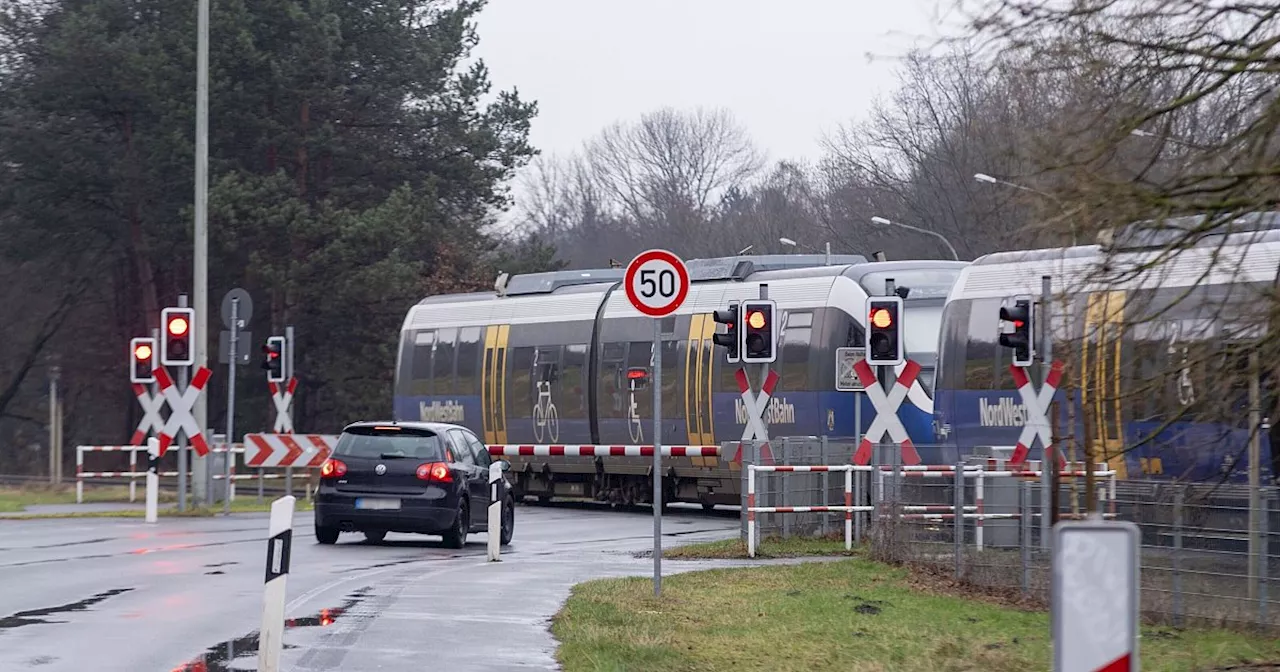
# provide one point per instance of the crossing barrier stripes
(510, 450)
(848, 507)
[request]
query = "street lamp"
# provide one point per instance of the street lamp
(939, 236)
(983, 177)
(792, 243)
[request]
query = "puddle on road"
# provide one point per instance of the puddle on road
(242, 653)
(34, 616)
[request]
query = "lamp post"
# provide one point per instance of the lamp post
(939, 236)
(792, 243)
(983, 177)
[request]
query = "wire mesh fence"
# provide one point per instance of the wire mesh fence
(1210, 553)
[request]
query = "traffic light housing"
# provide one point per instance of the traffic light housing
(884, 331)
(142, 357)
(731, 336)
(1020, 339)
(759, 329)
(273, 359)
(178, 338)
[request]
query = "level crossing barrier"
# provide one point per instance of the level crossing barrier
(134, 474)
(849, 509)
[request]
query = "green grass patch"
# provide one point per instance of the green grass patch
(848, 615)
(17, 498)
(773, 547)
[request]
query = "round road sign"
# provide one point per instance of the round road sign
(657, 283)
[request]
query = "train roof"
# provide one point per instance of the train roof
(1243, 249)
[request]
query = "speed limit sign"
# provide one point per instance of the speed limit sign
(657, 283)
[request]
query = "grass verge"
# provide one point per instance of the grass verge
(849, 615)
(773, 547)
(16, 499)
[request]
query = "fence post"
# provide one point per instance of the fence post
(1025, 510)
(742, 489)
(1046, 501)
(848, 513)
(750, 471)
(826, 482)
(1177, 555)
(858, 496)
(784, 484)
(79, 478)
(1265, 534)
(959, 516)
(495, 511)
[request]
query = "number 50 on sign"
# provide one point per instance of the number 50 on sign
(657, 283)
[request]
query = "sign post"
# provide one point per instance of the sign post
(657, 283)
(1095, 598)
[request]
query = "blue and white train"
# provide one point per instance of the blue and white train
(563, 358)
(1155, 345)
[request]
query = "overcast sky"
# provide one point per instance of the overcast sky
(788, 69)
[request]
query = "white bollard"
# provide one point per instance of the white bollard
(153, 478)
(279, 543)
(495, 511)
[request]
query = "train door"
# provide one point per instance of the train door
(493, 387)
(698, 355)
(1100, 375)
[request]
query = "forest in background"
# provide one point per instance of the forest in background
(360, 160)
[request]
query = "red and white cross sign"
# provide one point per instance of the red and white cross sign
(180, 404)
(886, 406)
(1037, 405)
(282, 399)
(151, 418)
(756, 429)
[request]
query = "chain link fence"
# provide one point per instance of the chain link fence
(1200, 562)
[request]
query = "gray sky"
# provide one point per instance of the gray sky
(788, 69)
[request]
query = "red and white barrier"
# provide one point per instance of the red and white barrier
(602, 451)
(289, 450)
(848, 507)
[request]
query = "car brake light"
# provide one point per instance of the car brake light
(332, 469)
(435, 471)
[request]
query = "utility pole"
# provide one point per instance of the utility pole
(55, 372)
(200, 285)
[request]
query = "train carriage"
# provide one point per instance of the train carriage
(563, 358)
(1156, 345)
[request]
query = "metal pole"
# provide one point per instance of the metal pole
(54, 373)
(182, 443)
(231, 403)
(1024, 507)
(1256, 548)
(828, 262)
(288, 375)
(1177, 556)
(1046, 496)
(958, 499)
(200, 265)
(888, 377)
(657, 457)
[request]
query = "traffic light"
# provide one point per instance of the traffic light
(729, 339)
(884, 331)
(759, 332)
(179, 328)
(273, 359)
(1020, 339)
(142, 357)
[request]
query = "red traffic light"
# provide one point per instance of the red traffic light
(178, 326)
(142, 352)
(756, 319)
(881, 318)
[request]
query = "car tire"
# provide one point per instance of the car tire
(508, 523)
(456, 536)
(326, 535)
(375, 536)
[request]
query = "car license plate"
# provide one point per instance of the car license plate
(366, 503)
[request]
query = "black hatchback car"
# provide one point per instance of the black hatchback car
(417, 477)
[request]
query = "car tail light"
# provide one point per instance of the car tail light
(435, 471)
(333, 469)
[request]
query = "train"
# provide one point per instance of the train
(1156, 345)
(562, 358)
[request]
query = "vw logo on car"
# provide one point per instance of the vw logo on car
(380, 469)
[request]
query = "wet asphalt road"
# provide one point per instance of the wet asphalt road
(186, 594)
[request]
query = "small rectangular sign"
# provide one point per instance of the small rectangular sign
(846, 378)
(244, 347)
(1096, 596)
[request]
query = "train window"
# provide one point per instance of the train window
(613, 381)
(423, 346)
(672, 401)
(953, 350)
(468, 361)
(442, 367)
(795, 357)
(574, 385)
(982, 364)
(799, 320)
(520, 392)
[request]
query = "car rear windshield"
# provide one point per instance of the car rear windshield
(389, 442)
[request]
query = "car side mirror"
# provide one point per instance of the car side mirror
(504, 465)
